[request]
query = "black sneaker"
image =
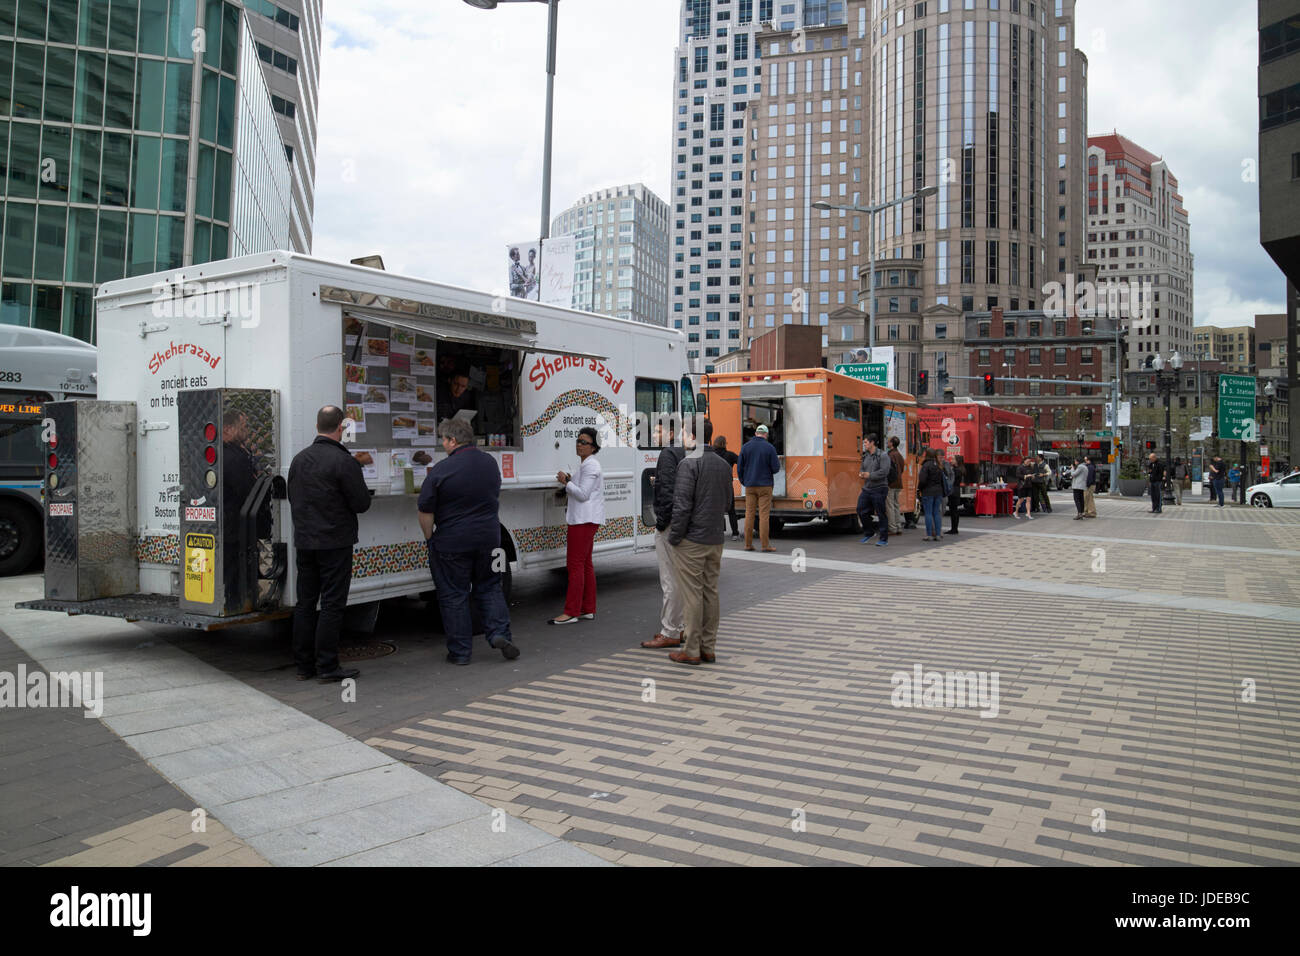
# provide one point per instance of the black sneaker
(452, 659)
(305, 675)
(507, 648)
(341, 673)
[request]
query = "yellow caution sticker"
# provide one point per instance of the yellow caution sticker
(200, 567)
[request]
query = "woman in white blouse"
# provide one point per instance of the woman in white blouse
(585, 513)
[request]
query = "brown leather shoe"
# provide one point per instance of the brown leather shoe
(660, 641)
(681, 658)
(708, 658)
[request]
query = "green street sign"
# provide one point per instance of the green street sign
(1103, 434)
(1237, 408)
(877, 373)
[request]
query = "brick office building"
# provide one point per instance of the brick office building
(1038, 345)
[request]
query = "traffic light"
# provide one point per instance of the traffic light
(922, 382)
(1151, 446)
(943, 379)
(988, 383)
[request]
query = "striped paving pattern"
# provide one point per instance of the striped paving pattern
(1121, 737)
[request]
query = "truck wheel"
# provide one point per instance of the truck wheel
(774, 525)
(20, 537)
(844, 524)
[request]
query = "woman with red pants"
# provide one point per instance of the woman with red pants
(585, 513)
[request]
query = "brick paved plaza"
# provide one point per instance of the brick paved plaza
(1148, 677)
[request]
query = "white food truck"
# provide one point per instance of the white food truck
(165, 496)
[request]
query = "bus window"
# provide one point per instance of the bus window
(21, 453)
(846, 409)
(654, 403)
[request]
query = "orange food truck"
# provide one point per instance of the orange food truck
(816, 420)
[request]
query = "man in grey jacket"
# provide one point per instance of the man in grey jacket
(665, 483)
(696, 533)
(875, 491)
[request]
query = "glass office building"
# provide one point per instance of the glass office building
(109, 110)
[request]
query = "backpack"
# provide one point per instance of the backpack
(893, 470)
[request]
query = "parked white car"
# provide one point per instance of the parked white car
(1280, 493)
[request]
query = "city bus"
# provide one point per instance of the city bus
(817, 420)
(36, 367)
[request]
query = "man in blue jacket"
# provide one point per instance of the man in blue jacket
(458, 513)
(757, 466)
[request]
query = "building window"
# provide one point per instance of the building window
(941, 331)
(983, 356)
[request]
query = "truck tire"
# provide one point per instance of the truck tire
(21, 539)
(843, 524)
(774, 525)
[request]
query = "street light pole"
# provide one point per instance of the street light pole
(551, 29)
(870, 212)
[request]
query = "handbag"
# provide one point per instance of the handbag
(947, 484)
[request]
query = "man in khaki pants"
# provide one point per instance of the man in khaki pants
(756, 467)
(700, 498)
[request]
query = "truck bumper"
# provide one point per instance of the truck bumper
(155, 608)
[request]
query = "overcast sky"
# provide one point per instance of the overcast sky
(431, 124)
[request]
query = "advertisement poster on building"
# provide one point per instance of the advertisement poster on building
(522, 279)
(558, 254)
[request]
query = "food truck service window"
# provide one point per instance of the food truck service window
(401, 382)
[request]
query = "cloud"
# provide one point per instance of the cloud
(431, 126)
(1179, 79)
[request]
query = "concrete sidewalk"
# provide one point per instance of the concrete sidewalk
(296, 790)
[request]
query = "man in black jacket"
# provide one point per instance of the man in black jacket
(461, 497)
(1156, 469)
(326, 493)
(665, 483)
(695, 536)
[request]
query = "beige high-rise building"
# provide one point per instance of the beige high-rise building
(1234, 347)
(1138, 235)
(985, 100)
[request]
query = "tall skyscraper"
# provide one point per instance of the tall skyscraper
(718, 73)
(136, 136)
(621, 260)
(1279, 164)
(985, 101)
(1138, 234)
(288, 35)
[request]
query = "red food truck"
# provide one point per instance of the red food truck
(993, 442)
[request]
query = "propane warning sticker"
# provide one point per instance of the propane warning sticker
(200, 514)
(200, 567)
(60, 509)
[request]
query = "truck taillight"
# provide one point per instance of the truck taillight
(54, 442)
(209, 432)
(210, 455)
(54, 461)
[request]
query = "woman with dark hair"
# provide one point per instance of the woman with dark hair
(929, 486)
(1024, 489)
(584, 514)
(958, 473)
(730, 457)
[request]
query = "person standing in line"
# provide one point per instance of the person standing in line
(758, 464)
(1156, 476)
(730, 457)
(1042, 481)
(696, 535)
(459, 513)
(958, 468)
(875, 491)
(929, 486)
(326, 493)
(1181, 474)
(895, 486)
(1234, 479)
(665, 482)
(1026, 489)
(1079, 485)
(1090, 493)
(1218, 475)
(584, 513)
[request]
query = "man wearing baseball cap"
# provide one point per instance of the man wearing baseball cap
(756, 467)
